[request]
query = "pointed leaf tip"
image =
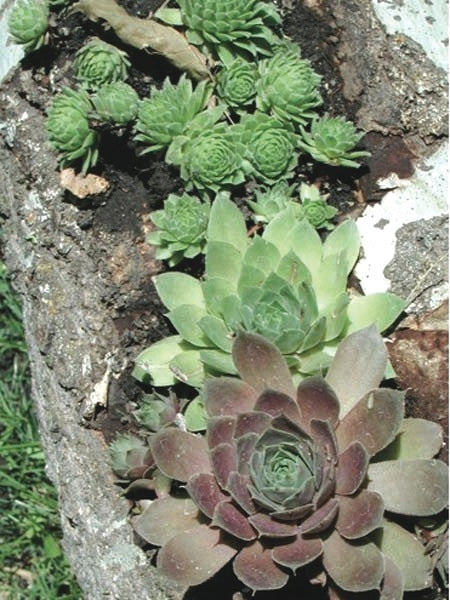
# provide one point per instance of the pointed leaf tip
(261, 365)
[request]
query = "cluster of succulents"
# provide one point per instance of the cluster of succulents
(287, 477)
(289, 459)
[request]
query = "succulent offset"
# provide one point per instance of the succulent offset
(285, 285)
(169, 111)
(270, 201)
(314, 207)
(288, 88)
(181, 228)
(210, 154)
(285, 478)
(69, 131)
(236, 83)
(332, 140)
(28, 23)
(131, 457)
(232, 28)
(98, 63)
(270, 147)
(116, 103)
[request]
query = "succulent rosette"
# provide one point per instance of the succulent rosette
(98, 63)
(332, 140)
(169, 111)
(69, 131)
(288, 88)
(285, 284)
(315, 208)
(181, 228)
(28, 23)
(270, 147)
(269, 202)
(284, 477)
(210, 154)
(116, 103)
(131, 457)
(236, 83)
(230, 28)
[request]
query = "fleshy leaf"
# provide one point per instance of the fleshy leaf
(276, 404)
(352, 467)
(364, 355)
(188, 368)
(195, 415)
(416, 487)
(203, 488)
(230, 519)
(179, 454)
(228, 396)
(215, 330)
(226, 224)
(374, 420)
(256, 569)
(218, 361)
(185, 318)
(344, 239)
(261, 365)
(307, 245)
(178, 288)
(223, 261)
(224, 462)
(359, 515)
(220, 430)
(279, 230)
(237, 486)
(405, 550)
(321, 519)
(164, 518)
(266, 526)
(152, 364)
(353, 567)
(381, 309)
(298, 553)
(417, 438)
(393, 581)
(317, 400)
(214, 290)
(192, 557)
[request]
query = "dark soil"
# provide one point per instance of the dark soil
(116, 221)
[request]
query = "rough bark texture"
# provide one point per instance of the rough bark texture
(71, 335)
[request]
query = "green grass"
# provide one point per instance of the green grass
(32, 563)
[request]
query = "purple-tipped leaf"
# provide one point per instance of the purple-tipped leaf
(375, 420)
(224, 461)
(351, 469)
(205, 492)
(358, 367)
(359, 515)
(192, 557)
(324, 438)
(317, 400)
(417, 487)
(253, 422)
(298, 553)
(237, 486)
(276, 404)
(228, 396)
(179, 454)
(261, 364)
(220, 430)
(255, 568)
(164, 518)
(230, 519)
(321, 519)
(266, 526)
(353, 567)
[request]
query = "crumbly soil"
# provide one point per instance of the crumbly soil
(113, 224)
